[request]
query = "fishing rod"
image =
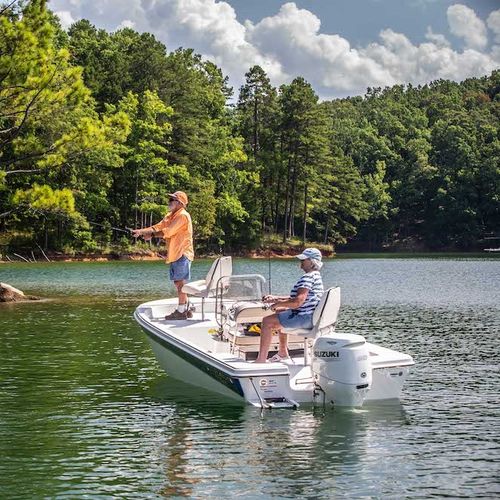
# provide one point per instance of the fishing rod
(127, 230)
(64, 215)
(269, 270)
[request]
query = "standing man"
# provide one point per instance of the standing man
(177, 230)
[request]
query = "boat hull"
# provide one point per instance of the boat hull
(387, 383)
(187, 368)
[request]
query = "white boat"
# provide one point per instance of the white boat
(216, 351)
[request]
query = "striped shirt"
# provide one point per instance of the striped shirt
(313, 282)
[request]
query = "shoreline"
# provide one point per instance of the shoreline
(146, 255)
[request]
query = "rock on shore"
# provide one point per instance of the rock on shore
(10, 294)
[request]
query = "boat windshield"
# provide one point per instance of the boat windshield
(236, 288)
(241, 287)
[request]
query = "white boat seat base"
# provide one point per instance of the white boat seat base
(254, 340)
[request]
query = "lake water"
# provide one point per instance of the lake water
(86, 412)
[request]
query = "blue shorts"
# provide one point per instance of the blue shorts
(291, 321)
(180, 270)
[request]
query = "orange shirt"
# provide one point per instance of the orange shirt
(177, 230)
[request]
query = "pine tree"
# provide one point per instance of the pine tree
(258, 119)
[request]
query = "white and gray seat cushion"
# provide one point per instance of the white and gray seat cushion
(249, 312)
(325, 315)
(221, 267)
(198, 288)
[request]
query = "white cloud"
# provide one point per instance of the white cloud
(210, 27)
(126, 23)
(290, 43)
(65, 18)
(421, 63)
(436, 38)
(328, 61)
(493, 23)
(465, 24)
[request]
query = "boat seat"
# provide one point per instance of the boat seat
(220, 268)
(324, 317)
(249, 312)
(197, 288)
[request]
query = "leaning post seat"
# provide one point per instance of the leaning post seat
(324, 318)
(221, 267)
(249, 312)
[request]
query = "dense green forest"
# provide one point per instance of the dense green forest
(96, 128)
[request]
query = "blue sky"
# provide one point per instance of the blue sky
(360, 21)
(340, 46)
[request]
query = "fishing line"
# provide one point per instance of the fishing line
(126, 230)
(269, 265)
(64, 215)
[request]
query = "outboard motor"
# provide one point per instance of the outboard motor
(341, 368)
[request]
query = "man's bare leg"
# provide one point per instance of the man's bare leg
(180, 294)
(283, 346)
(182, 311)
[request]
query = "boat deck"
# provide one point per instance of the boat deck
(238, 350)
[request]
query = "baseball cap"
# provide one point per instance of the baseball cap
(180, 196)
(310, 253)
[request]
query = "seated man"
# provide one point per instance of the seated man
(294, 311)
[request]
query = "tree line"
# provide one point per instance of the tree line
(96, 128)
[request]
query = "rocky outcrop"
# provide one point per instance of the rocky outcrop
(10, 294)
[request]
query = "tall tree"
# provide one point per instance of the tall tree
(306, 153)
(258, 124)
(140, 189)
(47, 118)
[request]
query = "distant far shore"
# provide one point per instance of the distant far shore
(150, 255)
(144, 255)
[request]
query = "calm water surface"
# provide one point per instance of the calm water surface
(86, 412)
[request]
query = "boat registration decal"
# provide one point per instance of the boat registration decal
(264, 382)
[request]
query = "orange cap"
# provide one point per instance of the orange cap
(180, 196)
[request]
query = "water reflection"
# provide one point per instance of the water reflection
(176, 461)
(294, 453)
